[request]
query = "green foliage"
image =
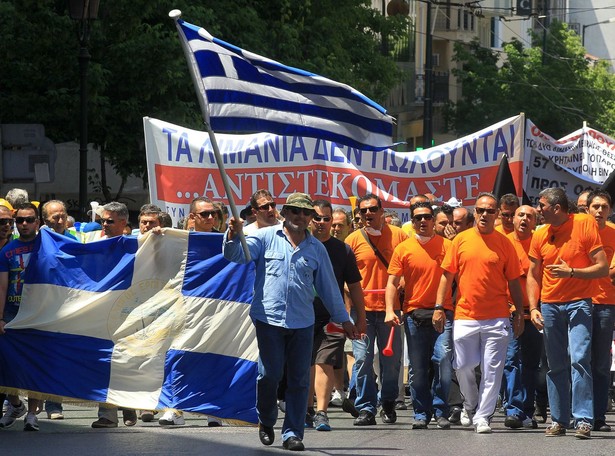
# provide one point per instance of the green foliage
(557, 89)
(137, 66)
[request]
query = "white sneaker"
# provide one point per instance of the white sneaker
(12, 414)
(336, 399)
(482, 427)
(466, 418)
(172, 418)
(30, 422)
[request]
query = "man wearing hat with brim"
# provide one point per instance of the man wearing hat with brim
(290, 265)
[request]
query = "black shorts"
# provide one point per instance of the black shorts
(328, 347)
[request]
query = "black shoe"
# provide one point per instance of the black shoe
(365, 418)
(129, 417)
(601, 426)
(293, 444)
(388, 414)
(348, 407)
(309, 417)
(266, 434)
(540, 414)
(513, 422)
(455, 417)
(400, 405)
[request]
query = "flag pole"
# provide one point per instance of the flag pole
(200, 89)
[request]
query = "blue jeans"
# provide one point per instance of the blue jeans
(363, 351)
(277, 346)
(429, 348)
(568, 334)
(532, 347)
(602, 336)
(513, 391)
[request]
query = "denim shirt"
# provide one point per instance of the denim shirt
(286, 278)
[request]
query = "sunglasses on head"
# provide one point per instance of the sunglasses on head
(6, 221)
(318, 218)
(267, 206)
(372, 209)
(207, 214)
(419, 217)
(29, 219)
(482, 210)
(299, 210)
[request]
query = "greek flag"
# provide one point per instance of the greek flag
(244, 92)
(164, 324)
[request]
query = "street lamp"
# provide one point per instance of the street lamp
(595, 23)
(83, 11)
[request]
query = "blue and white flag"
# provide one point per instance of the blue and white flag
(246, 93)
(164, 324)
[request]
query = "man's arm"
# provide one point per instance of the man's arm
(390, 294)
(4, 286)
(439, 316)
(532, 287)
(514, 287)
(358, 302)
(232, 249)
(599, 268)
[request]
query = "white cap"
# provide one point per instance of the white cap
(454, 202)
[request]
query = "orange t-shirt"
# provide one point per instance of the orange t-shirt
(522, 247)
(484, 264)
(373, 270)
(419, 264)
(605, 291)
(500, 229)
(572, 241)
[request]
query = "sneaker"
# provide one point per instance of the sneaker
(55, 415)
(365, 418)
(555, 430)
(282, 406)
(172, 418)
(147, 416)
(400, 405)
(443, 423)
(104, 423)
(309, 418)
(213, 422)
(336, 399)
(466, 418)
(388, 414)
(30, 422)
(12, 414)
(321, 421)
(583, 431)
(601, 426)
(482, 426)
(513, 422)
(348, 407)
(530, 423)
(419, 424)
(455, 415)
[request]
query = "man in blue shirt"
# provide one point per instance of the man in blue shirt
(290, 265)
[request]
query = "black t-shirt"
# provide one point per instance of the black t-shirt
(345, 269)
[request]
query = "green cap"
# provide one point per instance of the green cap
(301, 200)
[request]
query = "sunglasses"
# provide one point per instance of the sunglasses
(6, 221)
(299, 210)
(372, 209)
(20, 220)
(418, 218)
(107, 221)
(507, 214)
(207, 214)
(482, 210)
(266, 207)
(318, 218)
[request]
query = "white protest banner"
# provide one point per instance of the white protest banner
(579, 161)
(181, 167)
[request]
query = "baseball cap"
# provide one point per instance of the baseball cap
(301, 200)
(454, 202)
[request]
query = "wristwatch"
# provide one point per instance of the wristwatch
(438, 307)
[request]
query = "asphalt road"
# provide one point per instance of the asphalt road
(74, 436)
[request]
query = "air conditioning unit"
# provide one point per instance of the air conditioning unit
(575, 27)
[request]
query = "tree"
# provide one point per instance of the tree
(138, 67)
(557, 89)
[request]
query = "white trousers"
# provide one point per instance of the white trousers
(484, 343)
